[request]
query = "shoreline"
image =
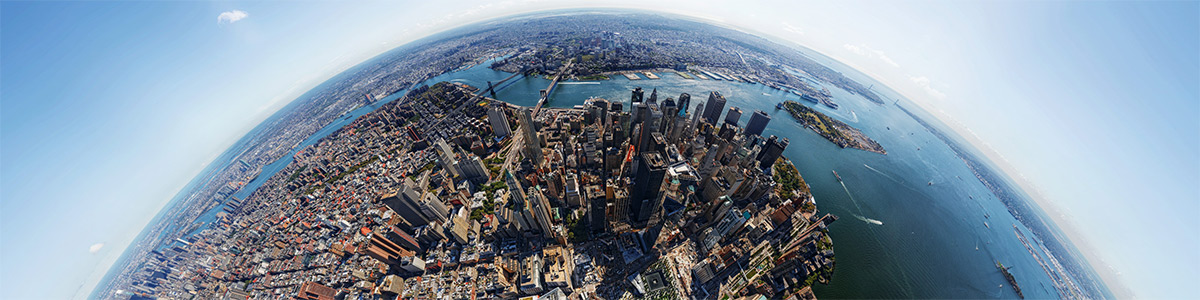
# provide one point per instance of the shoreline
(840, 134)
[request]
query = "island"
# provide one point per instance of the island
(447, 193)
(833, 130)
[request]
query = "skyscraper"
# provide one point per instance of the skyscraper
(644, 199)
(771, 151)
(637, 95)
(533, 147)
(712, 110)
(654, 96)
(733, 115)
(406, 203)
(684, 102)
(498, 120)
(758, 123)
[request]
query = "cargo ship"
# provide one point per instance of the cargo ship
(1011, 281)
(835, 174)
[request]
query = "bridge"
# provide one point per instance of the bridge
(491, 88)
(550, 90)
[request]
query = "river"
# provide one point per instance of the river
(899, 236)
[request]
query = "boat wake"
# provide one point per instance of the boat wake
(889, 177)
(868, 220)
(859, 217)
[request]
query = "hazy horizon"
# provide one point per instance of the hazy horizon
(1037, 97)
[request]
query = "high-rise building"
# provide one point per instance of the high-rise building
(498, 120)
(540, 206)
(434, 208)
(457, 228)
(447, 158)
(758, 123)
(712, 109)
(669, 111)
(684, 102)
(637, 95)
(402, 238)
(385, 250)
(533, 147)
(473, 169)
(647, 183)
(771, 151)
(406, 204)
(696, 116)
(654, 96)
(733, 115)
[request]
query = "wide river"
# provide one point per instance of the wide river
(898, 236)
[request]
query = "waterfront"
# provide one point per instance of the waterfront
(902, 238)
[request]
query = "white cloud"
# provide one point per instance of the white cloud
(924, 83)
(231, 16)
(95, 248)
(871, 53)
(792, 28)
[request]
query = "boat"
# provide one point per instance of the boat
(835, 174)
(985, 224)
(931, 183)
(779, 106)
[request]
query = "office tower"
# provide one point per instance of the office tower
(733, 115)
(654, 116)
(727, 131)
(640, 110)
(499, 120)
(572, 193)
(771, 151)
(457, 228)
(696, 116)
(599, 111)
(402, 238)
(434, 208)
(684, 102)
(669, 111)
(446, 158)
(384, 250)
(407, 204)
(533, 147)
(758, 123)
(637, 95)
(516, 193)
(712, 110)
(539, 205)
(473, 169)
(651, 172)
(654, 96)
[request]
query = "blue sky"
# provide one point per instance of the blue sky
(107, 109)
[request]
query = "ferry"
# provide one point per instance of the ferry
(835, 174)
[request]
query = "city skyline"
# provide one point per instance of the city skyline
(104, 126)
